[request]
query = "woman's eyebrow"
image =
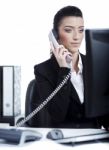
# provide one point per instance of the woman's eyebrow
(68, 26)
(81, 26)
(73, 26)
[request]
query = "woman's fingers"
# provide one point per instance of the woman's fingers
(60, 54)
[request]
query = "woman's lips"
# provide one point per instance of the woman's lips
(75, 44)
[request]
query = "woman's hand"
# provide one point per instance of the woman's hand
(60, 54)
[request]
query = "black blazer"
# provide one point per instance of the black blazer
(65, 109)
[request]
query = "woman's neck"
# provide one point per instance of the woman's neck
(75, 59)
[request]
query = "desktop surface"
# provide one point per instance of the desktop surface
(45, 143)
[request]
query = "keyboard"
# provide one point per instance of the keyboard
(80, 138)
(18, 136)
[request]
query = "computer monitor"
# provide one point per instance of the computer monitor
(97, 72)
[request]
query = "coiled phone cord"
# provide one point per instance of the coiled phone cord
(44, 102)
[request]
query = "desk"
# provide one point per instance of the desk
(44, 143)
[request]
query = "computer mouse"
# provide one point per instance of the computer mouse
(55, 134)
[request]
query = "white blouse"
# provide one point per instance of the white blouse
(77, 80)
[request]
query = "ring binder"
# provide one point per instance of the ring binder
(10, 91)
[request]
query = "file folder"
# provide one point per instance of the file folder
(10, 92)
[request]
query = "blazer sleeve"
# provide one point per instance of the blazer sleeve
(41, 118)
(104, 121)
(59, 104)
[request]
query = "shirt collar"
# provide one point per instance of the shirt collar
(80, 64)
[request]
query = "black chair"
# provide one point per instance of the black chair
(29, 97)
(42, 118)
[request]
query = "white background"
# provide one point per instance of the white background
(24, 28)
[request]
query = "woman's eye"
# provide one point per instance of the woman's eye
(81, 30)
(68, 30)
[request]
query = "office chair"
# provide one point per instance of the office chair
(42, 118)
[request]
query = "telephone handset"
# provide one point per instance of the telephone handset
(52, 37)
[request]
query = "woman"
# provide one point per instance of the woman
(66, 109)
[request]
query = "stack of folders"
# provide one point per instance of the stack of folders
(10, 91)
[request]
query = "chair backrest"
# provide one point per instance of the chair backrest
(29, 96)
(42, 118)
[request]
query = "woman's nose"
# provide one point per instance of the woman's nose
(75, 35)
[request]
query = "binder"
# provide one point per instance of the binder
(17, 90)
(10, 92)
(1, 91)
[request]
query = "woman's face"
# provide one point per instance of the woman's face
(71, 32)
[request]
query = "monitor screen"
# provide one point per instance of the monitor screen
(97, 72)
